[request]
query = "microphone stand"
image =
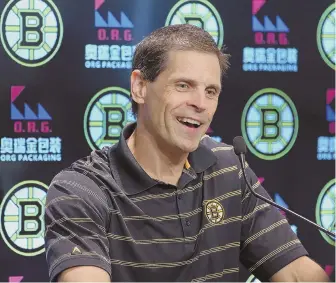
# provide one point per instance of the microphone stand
(242, 161)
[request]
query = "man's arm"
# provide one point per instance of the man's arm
(270, 249)
(302, 269)
(76, 217)
(84, 274)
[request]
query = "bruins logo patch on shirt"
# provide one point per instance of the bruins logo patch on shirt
(214, 212)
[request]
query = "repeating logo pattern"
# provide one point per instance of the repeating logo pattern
(31, 31)
(271, 51)
(106, 115)
(32, 130)
(326, 38)
(31, 35)
(110, 27)
(200, 13)
(22, 218)
(270, 124)
(325, 210)
(326, 144)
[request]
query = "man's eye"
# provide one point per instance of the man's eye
(182, 86)
(211, 92)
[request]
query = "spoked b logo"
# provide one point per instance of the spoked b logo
(270, 124)
(22, 218)
(325, 210)
(200, 13)
(106, 115)
(31, 31)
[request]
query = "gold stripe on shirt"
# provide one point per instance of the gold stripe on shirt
(216, 275)
(165, 217)
(175, 264)
(257, 208)
(172, 240)
(273, 253)
(240, 173)
(183, 215)
(219, 148)
(263, 231)
(188, 189)
(166, 195)
(219, 172)
(254, 187)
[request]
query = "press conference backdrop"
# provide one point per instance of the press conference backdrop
(64, 91)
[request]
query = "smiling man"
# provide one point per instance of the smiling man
(168, 203)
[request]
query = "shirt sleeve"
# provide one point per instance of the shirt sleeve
(267, 241)
(76, 216)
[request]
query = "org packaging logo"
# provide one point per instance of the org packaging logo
(270, 50)
(31, 31)
(33, 140)
(106, 115)
(326, 144)
(113, 48)
(200, 13)
(270, 124)
(22, 218)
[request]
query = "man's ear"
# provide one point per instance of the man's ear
(138, 87)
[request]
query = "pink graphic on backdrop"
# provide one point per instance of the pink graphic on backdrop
(209, 131)
(329, 269)
(16, 91)
(261, 179)
(15, 278)
(330, 97)
(256, 5)
(98, 3)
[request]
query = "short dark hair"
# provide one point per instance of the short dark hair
(150, 56)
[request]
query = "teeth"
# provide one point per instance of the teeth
(188, 120)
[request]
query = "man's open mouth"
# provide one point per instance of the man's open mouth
(191, 123)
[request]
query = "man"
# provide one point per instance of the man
(168, 203)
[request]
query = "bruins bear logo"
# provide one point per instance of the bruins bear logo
(214, 212)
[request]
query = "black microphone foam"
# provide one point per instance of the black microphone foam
(239, 145)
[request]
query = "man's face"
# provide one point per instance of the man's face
(179, 105)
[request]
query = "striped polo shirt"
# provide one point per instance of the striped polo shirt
(105, 211)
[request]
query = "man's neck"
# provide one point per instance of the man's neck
(156, 160)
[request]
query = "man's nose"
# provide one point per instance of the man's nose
(198, 100)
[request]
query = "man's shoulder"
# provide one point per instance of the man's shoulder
(224, 152)
(96, 163)
(93, 170)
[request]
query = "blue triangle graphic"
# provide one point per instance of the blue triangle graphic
(15, 113)
(269, 27)
(281, 26)
(42, 113)
(294, 228)
(112, 22)
(256, 25)
(99, 21)
(29, 114)
(125, 21)
(279, 200)
(330, 114)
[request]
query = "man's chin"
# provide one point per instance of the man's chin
(189, 147)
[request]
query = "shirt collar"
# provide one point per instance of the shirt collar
(134, 179)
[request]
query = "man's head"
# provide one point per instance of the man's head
(175, 84)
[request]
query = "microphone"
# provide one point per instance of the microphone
(240, 150)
